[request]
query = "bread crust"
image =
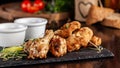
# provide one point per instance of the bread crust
(112, 21)
(97, 14)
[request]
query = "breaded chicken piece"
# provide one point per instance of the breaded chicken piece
(73, 43)
(96, 40)
(68, 29)
(38, 48)
(84, 34)
(80, 37)
(58, 46)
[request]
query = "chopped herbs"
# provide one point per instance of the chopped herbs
(15, 52)
(67, 26)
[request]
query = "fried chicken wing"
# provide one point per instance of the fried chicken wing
(73, 43)
(96, 40)
(84, 34)
(80, 37)
(68, 29)
(38, 48)
(58, 46)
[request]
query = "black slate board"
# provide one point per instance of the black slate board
(83, 54)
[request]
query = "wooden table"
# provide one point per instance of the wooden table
(111, 41)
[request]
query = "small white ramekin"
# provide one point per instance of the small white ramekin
(12, 34)
(36, 26)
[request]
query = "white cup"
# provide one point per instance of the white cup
(12, 34)
(36, 27)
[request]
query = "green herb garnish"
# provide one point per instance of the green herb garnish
(67, 26)
(15, 52)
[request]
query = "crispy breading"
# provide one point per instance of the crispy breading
(84, 34)
(73, 43)
(38, 48)
(68, 29)
(96, 40)
(58, 46)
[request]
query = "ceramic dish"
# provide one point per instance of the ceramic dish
(36, 27)
(12, 34)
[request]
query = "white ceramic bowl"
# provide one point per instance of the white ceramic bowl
(12, 34)
(36, 27)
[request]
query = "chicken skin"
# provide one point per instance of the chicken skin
(84, 34)
(73, 43)
(80, 37)
(58, 46)
(96, 40)
(38, 48)
(68, 29)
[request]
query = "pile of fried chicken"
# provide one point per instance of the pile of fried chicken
(70, 37)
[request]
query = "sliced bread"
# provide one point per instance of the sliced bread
(112, 21)
(97, 14)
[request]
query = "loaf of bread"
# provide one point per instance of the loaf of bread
(112, 21)
(97, 14)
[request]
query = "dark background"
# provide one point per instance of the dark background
(8, 1)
